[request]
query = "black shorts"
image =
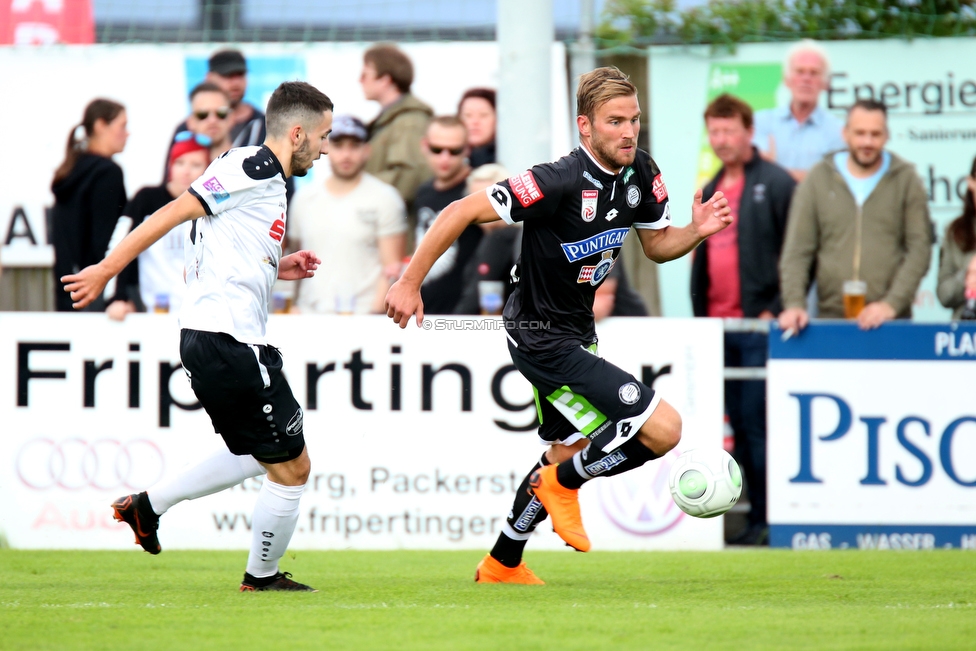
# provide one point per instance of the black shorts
(578, 394)
(246, 396)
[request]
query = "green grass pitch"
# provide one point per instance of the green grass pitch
(742, 600)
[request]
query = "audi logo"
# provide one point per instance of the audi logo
(639, 502)
(76, 464)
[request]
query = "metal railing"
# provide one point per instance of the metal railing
(745, 325)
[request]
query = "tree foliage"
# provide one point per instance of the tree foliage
(645, 22)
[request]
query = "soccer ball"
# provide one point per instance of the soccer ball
(705, 482)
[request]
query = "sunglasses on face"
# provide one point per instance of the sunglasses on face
(436, 151)
(201, 139)
(221, 113)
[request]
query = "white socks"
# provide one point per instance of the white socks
(275, 514)
(220, 471)
(275, 517)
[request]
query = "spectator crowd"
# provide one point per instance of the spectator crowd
(829, 223)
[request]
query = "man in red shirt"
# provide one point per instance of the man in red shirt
(735, 274)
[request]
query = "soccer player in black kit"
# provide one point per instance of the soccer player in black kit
(599, 420)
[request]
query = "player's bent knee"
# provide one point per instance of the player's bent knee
(560, 453)
(662, 431)
(294, 472)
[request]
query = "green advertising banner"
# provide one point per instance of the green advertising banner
(754, 83)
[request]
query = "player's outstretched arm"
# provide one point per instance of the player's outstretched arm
(298, 265)
(403, 300)
(707, 218)
(86, 285)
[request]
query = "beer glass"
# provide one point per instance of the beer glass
(854, 291)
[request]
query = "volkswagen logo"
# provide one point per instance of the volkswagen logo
(639, 501)
(102, 464)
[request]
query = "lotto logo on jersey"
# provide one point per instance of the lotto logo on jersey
(525, 188)
(588, 210)
(659, 189)
(213, 186)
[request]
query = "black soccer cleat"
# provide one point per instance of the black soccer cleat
(136, 512)
(280, 581)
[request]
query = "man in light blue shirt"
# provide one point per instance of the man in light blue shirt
(861, 186)
(798, 135)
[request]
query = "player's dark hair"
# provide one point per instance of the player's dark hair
(295, 102)
(729, 106)
(599, 86)
(487, 94)
(868, 105)
(207, 87)
(389, 60)
(963, 228)
(98, 109)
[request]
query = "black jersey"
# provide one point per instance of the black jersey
(575, 215)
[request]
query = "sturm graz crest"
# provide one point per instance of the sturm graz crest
(633, 196)
(629, 393)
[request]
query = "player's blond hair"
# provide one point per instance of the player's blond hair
(599, 86)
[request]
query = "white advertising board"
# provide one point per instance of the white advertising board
(418, 438)
(928, 86)
(872, 437)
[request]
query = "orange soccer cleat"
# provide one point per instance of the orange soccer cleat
(563, 506)
(491, 571)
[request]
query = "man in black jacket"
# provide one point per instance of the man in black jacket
(735, 274)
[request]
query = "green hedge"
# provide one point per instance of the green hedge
(646, 22)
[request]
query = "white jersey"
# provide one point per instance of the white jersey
(232, 253)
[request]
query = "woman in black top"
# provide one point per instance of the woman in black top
(89, 195)
(156, 276)
(477, 111)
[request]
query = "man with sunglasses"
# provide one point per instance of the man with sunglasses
(210, 118)
(445, 146)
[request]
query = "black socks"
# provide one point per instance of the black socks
(527, 512)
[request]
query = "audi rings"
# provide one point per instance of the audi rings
(76, 464)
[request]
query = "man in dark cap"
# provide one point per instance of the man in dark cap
(228, 69)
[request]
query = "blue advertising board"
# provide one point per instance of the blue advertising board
(872, 437)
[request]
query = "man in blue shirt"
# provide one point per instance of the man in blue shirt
(798, 135)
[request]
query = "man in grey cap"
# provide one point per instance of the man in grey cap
(358, 224)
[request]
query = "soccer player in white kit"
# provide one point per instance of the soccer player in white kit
(233, 257)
